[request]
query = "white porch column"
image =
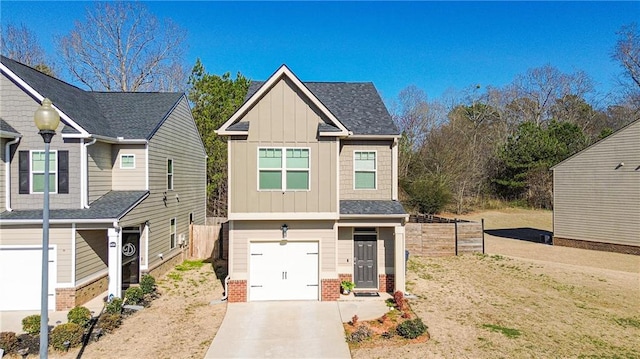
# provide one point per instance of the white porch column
(399, 259)
(115, 262)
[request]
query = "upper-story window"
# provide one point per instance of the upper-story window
(37, 171)
(169, 174)
(364, 164)
(289, 172)
(127, 161)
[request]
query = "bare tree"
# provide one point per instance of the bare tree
(121, 46)
(627, 51)
(22, 45)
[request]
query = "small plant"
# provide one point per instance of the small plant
(347, 286)
(390, 303)
(28, 341)
(354, 320)
(133, 295)
(406, 315)
(31, 324)
(148, 284)
(189, 265)
(8, 342)
(65, 336)
(359, 335)
(79, 315)
(114, 306)
(398, 297)
(387, 335)
(383, 319)
(411, 329)
(109, 321)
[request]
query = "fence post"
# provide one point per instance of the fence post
(455, 222)
(482, 235)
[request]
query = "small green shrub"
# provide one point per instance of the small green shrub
(147, 284)
(70, 332)
(8, 342)
(31, 324)
(79, 315)
(361, 334)
(114, 306)
(109, 322)
(133, 295)
(29, 341)
(411, 329)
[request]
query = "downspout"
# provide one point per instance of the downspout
(84, 181)
(226, 287)
(7, 172)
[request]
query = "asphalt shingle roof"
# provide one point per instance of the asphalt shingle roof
(357, 105)
(132, 115)
(239, 126)
(5, 127)
(112, 205)
(367, 207)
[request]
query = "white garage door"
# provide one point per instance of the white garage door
(21, 278)
(283, 271)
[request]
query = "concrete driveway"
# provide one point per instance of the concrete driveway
(302, 329)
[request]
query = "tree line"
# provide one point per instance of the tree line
(456, 153)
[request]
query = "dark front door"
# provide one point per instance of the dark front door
(365, 267)
(130, 257)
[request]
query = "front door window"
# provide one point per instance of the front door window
(130, 257)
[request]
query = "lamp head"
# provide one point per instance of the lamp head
(46, 117)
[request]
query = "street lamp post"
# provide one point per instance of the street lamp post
(47, 120)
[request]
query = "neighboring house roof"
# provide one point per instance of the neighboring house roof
(131, 115)
(357, 105)
(6, 129)
(111, 206)
(370, 207)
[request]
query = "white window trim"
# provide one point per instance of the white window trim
(174, 233)
(52, 171)
(375, 171)
(128, 155)
(283, 169)
(172, 173)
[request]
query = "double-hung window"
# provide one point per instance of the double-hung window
(283, 169)
(365, 166)
(37, 171)
(169, 174)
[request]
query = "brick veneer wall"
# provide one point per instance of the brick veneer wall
(91, 290)
(160, 269)
(237, 291)
(597, 246)
(65, 298)
(330, 290)
(345, 276)
(386, 283)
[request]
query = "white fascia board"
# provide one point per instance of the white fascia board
(56, 221)
(284, 216)
(231, 133)
(119, 140)
(7, 134)
(374, 137)
(342, 134)
(281, 72)
(37, 95)
(371, 216)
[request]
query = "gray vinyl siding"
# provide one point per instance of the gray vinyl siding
(99, 165)
(383, 170)
(20, 116)
(130, 178)
(3, 141)
(91, 253)
(594, 199)
(177, 138)
(59, 235)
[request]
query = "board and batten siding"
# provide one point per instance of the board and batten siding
(283, 118)
(20, 116)
(128, 179)
(383, 171)
(597, 200)
(245, 232)
(385, 247)
(91, 254)
(99, 164)
(60, 236)
(178, 139)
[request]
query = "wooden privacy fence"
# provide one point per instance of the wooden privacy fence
(432, 236)
(210, 240)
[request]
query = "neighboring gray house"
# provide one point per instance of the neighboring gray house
(597, 195)
(313, 192)
(128, 176)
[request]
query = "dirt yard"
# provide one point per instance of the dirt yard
(524, 299)
(180, 324)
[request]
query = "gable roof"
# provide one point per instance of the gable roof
(6, 130)
(357, 105)
(131, 115)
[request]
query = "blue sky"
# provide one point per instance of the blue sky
(437, 46)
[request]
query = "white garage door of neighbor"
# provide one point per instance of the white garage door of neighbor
(21, 278)
(283, 271)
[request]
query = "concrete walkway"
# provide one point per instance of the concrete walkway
(292, 329)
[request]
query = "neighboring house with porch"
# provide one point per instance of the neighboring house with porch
(596, 195)
(313, 192)
(128, 176)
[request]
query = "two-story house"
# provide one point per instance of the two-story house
(128, 176)
(313, 195)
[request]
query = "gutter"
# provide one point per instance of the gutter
(59, 221)
(7, 172)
